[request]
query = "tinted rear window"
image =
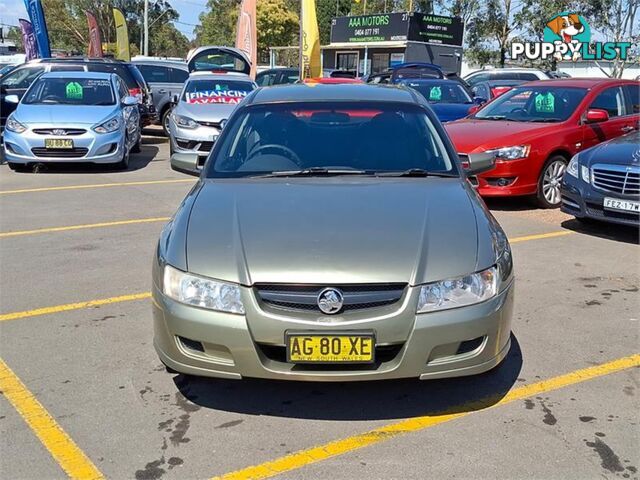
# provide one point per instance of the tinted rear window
(119, 69)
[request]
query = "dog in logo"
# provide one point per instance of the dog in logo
(566, 27)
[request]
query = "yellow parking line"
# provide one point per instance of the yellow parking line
(82, 227)
(94, 185)
(61, 447)
(540, 236)
(145, 295)
(73, 306)
(340, 447)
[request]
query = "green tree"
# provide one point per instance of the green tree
(492, 24)
(277, 24)
(616, 21)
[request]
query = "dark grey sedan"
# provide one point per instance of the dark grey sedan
(332, 236)
(603, 182)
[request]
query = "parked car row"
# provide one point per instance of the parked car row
(533, 129)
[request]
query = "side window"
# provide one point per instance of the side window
(526, 76)
(178, 76)
(611, 100)
(22, 77)
(266, 79)
(155, 73)
(633, 94)
(481, 77)
(122, 89)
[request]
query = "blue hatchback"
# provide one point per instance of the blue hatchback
(448, 98)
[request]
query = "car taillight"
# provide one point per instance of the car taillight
(136, 92)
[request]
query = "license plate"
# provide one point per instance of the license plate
(58, 143)
(626, 205)
(330, 348)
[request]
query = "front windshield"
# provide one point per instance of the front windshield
(441, 92)
(534, 104)
(216, 91)
(359, 137)
(70, 91)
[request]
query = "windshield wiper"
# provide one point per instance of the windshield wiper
(492, 117)
(414, 172)
(543, 120)
(312, 172)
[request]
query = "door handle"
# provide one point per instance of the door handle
(627, 128)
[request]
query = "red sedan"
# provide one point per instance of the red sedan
(536, 128)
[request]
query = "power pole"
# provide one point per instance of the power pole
(146, 28)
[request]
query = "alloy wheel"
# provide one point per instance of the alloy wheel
(552, 180)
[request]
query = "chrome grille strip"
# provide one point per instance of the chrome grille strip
(305, 297)
(616, 178)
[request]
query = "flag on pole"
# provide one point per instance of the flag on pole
(39, 27)
(28, 40)
(246, 33)
(122, 36)
(309, 41)
(95, 41)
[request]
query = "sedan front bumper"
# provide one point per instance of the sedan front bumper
(197, 141)
(582, 200)
(29, 147)
(457, 342)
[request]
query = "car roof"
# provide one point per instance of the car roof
(76, 60)
(361, 92)
(165, 63)
(506, 69)
(406, 81)
(576, 82)
(79, 74)
(201, 75)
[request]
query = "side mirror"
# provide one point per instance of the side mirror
(12, 99)
(594, 115)
(185, 163)
(479, 100)
(174, 100)
(476, 163)
(129, 101)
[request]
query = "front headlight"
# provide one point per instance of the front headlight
(201, 292)
(511, 153)
(14, 126)
(109, 126)
(458, 292)
(572, 168)
(584, 170)
(185, 122)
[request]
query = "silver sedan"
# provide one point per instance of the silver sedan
(333, 236)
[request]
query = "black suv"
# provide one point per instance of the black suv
(20, 79)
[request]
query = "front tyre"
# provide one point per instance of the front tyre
(548, 195)
(124, 163)
(17, 167)
(137, 148)
(165, 121)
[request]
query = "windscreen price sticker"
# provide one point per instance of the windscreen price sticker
(231, 97)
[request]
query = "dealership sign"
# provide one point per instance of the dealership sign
(568, 36)
(394, 27)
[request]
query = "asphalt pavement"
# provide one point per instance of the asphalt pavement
(84, 395)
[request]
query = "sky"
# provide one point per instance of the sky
(189, 10)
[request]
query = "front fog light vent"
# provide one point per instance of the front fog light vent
(469, 345)
(191, 344)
